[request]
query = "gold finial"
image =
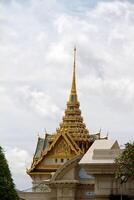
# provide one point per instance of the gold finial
(73, 89)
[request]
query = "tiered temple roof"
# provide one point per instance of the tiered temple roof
(71, 138)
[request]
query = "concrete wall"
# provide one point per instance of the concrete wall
(107, 184)
(66, 192)
(84, 192)
(37, 195)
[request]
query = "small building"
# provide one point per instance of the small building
(99, 161)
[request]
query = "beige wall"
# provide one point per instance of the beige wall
(84, 192)
(37, 195)
(107, 184)
(66, 192)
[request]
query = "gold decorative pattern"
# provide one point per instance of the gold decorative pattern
(62, 148)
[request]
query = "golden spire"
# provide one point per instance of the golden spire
(73, 89)
(73, 95)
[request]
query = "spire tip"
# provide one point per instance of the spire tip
(73, 94)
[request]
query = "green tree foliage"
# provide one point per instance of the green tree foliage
(125, 163)
(7, 188)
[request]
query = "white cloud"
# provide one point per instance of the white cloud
(35, 66)
(37, 101)
(121, 91)
(19, 160)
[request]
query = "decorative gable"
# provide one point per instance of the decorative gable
(59, 152)
(62, 149)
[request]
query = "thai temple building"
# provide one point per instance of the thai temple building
(72, 163)
(71, 139)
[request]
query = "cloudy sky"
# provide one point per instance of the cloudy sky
(36, 56)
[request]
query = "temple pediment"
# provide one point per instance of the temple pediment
(63, 148)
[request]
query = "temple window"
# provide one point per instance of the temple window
(62, 160)
(56, 160)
